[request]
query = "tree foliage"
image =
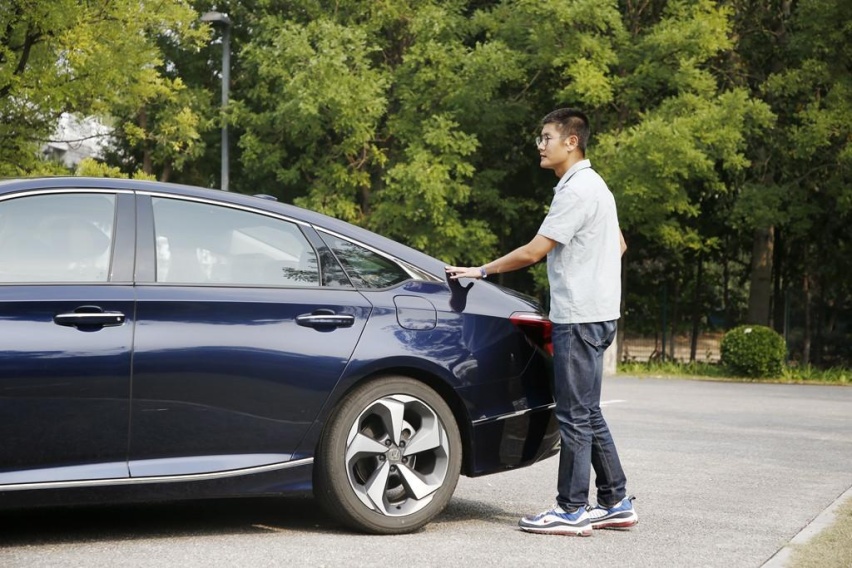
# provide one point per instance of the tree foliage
(722, 127)
(88, 58)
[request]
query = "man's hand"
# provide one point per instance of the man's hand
(456, 272)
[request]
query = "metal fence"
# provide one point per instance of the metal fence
(677, 348)
(819, 336)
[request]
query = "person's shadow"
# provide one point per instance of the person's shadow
(458, 294)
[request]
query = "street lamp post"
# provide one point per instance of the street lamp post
(220, 18)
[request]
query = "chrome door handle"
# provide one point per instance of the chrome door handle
(89, 316)
(325, 319)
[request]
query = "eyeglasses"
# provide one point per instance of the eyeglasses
(539, 140)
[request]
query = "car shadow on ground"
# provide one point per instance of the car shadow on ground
(466, 510)
(108, 523)
(57, 525)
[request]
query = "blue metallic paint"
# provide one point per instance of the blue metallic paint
(223, 379)
(54, 380)
(192, 396)
(462, 358)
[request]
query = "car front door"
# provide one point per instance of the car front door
(66, 328)
(239, 338)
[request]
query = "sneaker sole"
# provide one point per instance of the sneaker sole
(563, 531)
(617, 523)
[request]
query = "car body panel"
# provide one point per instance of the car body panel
(223, 372)
(64, 392)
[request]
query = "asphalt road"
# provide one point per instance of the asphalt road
(725, 475)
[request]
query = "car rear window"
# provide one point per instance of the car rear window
(366, 269)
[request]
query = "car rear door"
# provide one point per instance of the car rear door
(240, 337)
(66, 329)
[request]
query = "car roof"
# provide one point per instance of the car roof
(370, 238)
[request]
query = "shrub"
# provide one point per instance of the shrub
(753, 351)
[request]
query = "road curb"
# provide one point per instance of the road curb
(822, 521)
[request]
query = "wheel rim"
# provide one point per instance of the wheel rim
(397, 455)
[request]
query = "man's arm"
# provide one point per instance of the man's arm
(623, 242)
(521, 257)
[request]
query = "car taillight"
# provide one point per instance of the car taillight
(536, 327)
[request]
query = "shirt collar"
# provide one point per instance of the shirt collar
(563, 181)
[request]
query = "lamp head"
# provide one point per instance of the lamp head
(216, 17)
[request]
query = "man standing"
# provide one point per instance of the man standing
(583, 244)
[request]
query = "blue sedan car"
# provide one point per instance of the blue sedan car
(162, 342)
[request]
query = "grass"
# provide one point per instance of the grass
(791, 374)
(831, 548)
(835, 375)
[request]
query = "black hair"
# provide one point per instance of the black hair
(571, 121)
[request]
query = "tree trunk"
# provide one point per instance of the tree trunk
(697, 309)
(818, 343)
(806, 343)
(760, 291)
(167, 171)
(147, 158)
(779, 306)
(726, 289)
(674, 319)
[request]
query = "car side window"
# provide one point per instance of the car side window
(198, 243)
(364, 267)
(64, 237)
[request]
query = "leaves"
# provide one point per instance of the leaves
(312, 111)
(710, 120)
(88, 58)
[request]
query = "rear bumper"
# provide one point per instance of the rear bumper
(523, 438)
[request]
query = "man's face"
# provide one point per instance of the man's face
(554, 148)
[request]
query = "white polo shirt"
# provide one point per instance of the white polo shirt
(584, 269)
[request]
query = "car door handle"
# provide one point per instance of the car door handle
(324, 319)
(89, 316)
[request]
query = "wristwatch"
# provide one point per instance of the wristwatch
(482, 273)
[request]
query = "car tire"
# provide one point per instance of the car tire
(389, 457)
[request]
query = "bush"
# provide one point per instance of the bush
(753, 351)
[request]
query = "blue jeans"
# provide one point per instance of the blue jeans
(578, 350)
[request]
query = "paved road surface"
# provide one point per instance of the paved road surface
(725, 475)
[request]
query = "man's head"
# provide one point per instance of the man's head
(563, 139)
(570, 122)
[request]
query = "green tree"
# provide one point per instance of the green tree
(797, 197)
(722, 127)
(367, 115)
(675, 137)
(416, 118)
(86, 58)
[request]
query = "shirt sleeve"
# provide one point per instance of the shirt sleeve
(566, 216)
